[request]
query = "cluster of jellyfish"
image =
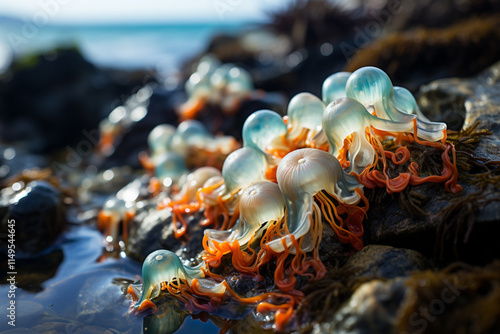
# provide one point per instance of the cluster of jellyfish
(292, 174)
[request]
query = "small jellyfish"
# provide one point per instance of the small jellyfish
(164, 267)
(242, 168)
(264, 130)
(260, 203)
(346, 117)
(186, 200)
(373, 88)
(304, 173)
(191, 133)
(169, 167)
(113, 212)
(305, 112)
(232, 79)
(160, 139)
(334, 87)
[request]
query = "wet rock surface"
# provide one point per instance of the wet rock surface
(39, 215)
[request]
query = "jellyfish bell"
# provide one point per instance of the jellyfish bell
(334, 87)
(304, 111)
(404, 100)
(242, 168)
(262, 128)
(189, 133)
(160, 138)
(193, 182)
(114, 211)
(303, 173)
(169, 165)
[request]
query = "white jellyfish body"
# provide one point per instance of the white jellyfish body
(303, 173)
(346, 116)
(260, 203)
(304, 111)
(334, 87)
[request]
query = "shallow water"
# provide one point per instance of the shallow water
(81, 296)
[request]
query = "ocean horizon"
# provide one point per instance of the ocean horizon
(155, 46)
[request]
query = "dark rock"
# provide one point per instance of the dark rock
(39, 215)
(372, 308)
(448, 301)
(386, 262)
(47, 100)
(462, 102)
(152, 229)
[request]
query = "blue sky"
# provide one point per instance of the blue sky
(127, 11)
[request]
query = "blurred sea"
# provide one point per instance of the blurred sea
(160, 47)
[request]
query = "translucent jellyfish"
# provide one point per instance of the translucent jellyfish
(262, 128)
(232, 79)
(334, 86)
(346, 116)
(260, 203)
(112, 214)
(193, 182)
(164, 267)
(187, 200)
(373, 88)
(301, 175)
(160, 138)
(242, 168)
(305, 112)
(169, 166)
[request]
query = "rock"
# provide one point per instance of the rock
(48, 100)
(465, 101)
(39, 215)
(152, 229)
(448, 301)
(372, 309)
(386, 262)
